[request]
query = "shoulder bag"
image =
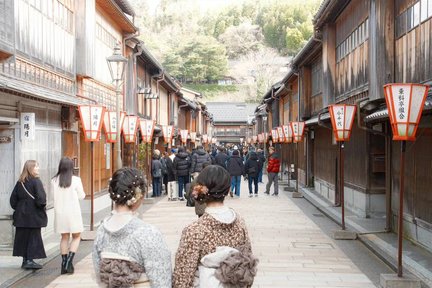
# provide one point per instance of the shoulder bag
(27, 191)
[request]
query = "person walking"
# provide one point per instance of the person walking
(127, 251)
(181, 168)
(28, 199)
(236, 170)
(163, 160)
(217, 241)
(261, 157)
(156, 172)
(273, 167)
(252, 167)
(221, 157)
(67, 190)
(198, 159)
(171, 185)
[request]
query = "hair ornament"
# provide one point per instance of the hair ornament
(199, 192)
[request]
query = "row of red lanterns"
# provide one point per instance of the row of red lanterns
(94, 116)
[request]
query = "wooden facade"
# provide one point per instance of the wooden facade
(358, 47)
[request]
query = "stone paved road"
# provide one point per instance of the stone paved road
(293, 250)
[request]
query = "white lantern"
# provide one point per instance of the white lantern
(405, 102)
(342, 118)
(130, 125)
(91, 120)
(110, 125)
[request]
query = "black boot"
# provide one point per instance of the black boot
(69, 265)
(63, 264)
(30, 264)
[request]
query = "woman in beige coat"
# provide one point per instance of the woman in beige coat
(67, 190)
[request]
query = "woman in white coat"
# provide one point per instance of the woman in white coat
(67, 190)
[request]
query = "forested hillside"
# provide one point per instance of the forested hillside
(248, 42)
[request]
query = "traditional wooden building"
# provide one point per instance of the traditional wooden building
(230, 127)
(37, 92)
(357, 47)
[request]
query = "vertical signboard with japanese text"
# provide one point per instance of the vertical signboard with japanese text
(27, 126)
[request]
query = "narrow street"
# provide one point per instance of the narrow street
(289, 236)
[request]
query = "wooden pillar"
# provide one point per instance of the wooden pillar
(381, 46)
(329, 63)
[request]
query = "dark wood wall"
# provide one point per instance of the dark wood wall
(325, 155)
(418, 180)
(352, 46)
(414, 55)
(356, 155)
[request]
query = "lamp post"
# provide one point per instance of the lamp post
(405, 102)
(297, 129)
(91, 119)
(116, 64)
(264, 118)
(342, 118)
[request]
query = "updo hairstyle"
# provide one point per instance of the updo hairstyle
(127, 186)
(212, 184)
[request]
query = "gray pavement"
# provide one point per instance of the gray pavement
(289, 236)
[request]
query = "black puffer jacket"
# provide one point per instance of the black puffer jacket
(29, 212)
(198, 159)
(253, 165)
(181, 164)
(235, 166)
(221, 159)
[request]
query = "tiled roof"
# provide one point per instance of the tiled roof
(231, 111)
(383, 113)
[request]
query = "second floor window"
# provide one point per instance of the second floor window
(415, 14)
(317, 77)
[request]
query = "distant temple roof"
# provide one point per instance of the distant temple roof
(227, 112)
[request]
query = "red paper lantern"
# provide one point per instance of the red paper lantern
(193, 136)
(287, 133)
(405, 102)
(110, 125)
(342, 118)
(184, 134)
(130, 125)
(297, 130)
(147, 128)
(91, 121)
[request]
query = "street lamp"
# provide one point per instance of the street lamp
(405, 102)
(91, 121)
(342, 119)
(297, 129)
(116, 65)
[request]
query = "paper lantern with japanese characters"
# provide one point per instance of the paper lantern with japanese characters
(167, 133)
(193, 137)
(254, 138)
(204, 138)
(287, 133)
(280, 134)
(274, 135)
(110, 125)
(184, 135)
(342, 119)
(297, 131)
(147, 129)
(91, 121)
(130, 126)
(405, 102)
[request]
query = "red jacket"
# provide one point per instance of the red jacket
(273, 164)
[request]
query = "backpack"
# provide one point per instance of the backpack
(157, 173)
(164, 166)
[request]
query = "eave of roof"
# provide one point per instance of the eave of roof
(383, 113)
(126, 7)
(328, 10)
(117, 14)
